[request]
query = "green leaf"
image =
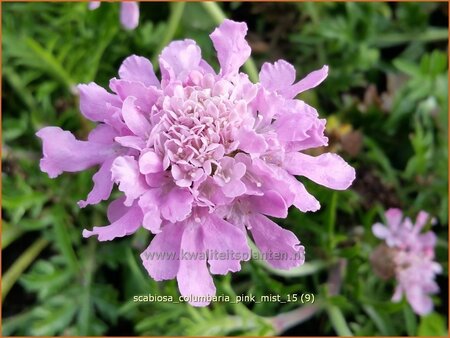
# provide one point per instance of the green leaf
(432, 325)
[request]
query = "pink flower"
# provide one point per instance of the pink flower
(411, 255)
(129, 13)
(200, 158)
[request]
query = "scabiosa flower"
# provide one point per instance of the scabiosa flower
(200, 158)
(129, 13)
(409, 256)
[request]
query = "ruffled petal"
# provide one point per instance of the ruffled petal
(124, 226)
(193, 276)
(103, 185)
(277, 76)
(96, 102)
(232, 48)
(177, 204)
(311, 80)
(134, 119)
(140, 69)
(329, 170)
(62, 152)
(178, 59)
(162, 257)
(251, 142)
(278, 246)
(150, 204)
(129, 14)
(226, 244)
(126, 173)
(145, 96)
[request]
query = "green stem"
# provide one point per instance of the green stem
(86, 307)
(338, 321)
(332, 219)
(63, 239)
(176, 12)
(218, 16)
(20, 265)
(431, 35)
(10, 234)
(52, 64)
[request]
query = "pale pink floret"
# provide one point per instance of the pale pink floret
(201, 157)
(129, 13)
(413, 258)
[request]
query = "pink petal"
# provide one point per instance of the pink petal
(279, 246)
(231, 46)
(134, 119)
(271, 204)
(177, 204)
(293, 127)
(150, 204)
(179, 58)
(124, 226)
(103, 133)
(161, 258)
(103, 185)
(277, 76)
(126, 173)
(62, 152)
(421, 220)
(234, 188)
(140, 69)
(193, 276)
(129, 14)
(134, 142)
(329, 170)
(419, 300)
(226, 243)
(312, 80)
(116, 209)
(394, 217)
(96, 102)
(150, 163)
(251, 142)
(146, 97)
(303, 200)
(380, 231)
(94, 5)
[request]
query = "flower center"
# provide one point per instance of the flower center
(196, 127)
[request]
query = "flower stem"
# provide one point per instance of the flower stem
(20, 265)
(338, 321)
(176, 12)
(332, 219)
(218, 16)
(84, 315)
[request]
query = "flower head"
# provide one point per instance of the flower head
(408, 255)
(129, 13)
(200, 158)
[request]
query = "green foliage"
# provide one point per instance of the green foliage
(388, 82)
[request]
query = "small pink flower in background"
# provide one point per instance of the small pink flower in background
(129, 13)
(411, 257)
(201, 158)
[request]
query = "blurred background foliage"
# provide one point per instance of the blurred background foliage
(387, 108)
